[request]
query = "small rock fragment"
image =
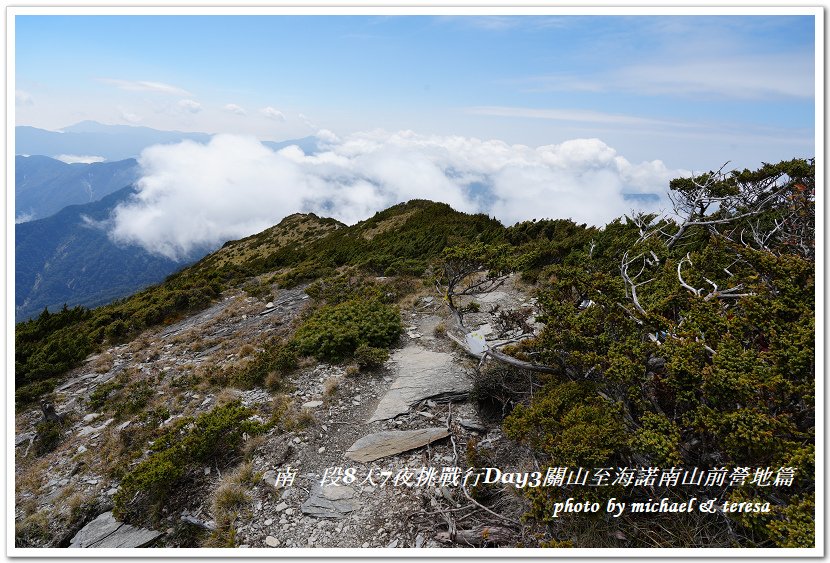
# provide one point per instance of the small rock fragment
(312, 404)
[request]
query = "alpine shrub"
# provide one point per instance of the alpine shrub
(334, 332)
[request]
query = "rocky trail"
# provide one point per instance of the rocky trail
(376, 466)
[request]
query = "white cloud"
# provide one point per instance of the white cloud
(146, 86)
(75, 158)
(272, 113)
(310, 124)
(576, 115)
(735, 76)
(748, 77)
(503, 23)
(128, 116)
(233, 108)
(190, 106)
(23, 98)
(23, 218)
(193, 195)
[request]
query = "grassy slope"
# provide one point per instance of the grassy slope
(401, 239)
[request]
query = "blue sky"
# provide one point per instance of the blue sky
(689, 90)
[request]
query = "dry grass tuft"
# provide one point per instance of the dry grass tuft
(225, 396)
(330, 387)
(103, 363)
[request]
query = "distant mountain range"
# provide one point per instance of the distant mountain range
(44, 186)
(115, 142)
(62, 252)
(67, 258)
(88, 138)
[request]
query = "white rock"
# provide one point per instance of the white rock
(91, 416)
(321, 450)
(271, 541)
(312, 404)
(81, 449)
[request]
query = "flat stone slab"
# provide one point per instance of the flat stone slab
(391, 442)
(91, 430)
(106, 531)
(76, 380)
(421, 374)
(333, 501)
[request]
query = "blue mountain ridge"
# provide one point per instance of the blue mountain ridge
(68, 258)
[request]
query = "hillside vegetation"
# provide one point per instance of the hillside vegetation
(682, 342)
(301, 248)
(68, 258)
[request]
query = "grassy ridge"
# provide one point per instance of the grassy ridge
(401, 239)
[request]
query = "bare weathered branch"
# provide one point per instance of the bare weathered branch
(683, 283)
(631, 283)
(715, 293)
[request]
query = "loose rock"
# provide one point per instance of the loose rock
(391, 442)
(330, 502)
(106, 531)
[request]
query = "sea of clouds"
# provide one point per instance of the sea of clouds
(193, 195)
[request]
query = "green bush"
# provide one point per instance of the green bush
(658, 439)
(102, 393)
(277, 356)
(369, 357)
(31, 392)
(334, 332)
(121, 398)
(303, 273)
(49, 435)
(211, 436)
(571, 424)
(259, 289)
(344, 287)
(133, 398)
